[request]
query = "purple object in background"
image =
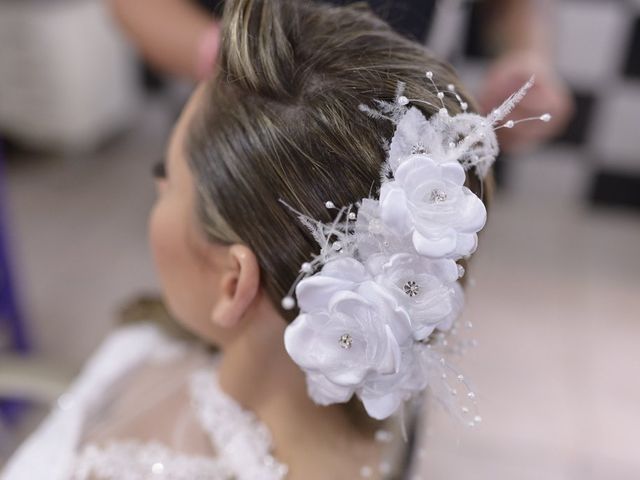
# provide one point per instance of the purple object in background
(12, 324)
(11, 319)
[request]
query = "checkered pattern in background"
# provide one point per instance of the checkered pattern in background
(597, 47)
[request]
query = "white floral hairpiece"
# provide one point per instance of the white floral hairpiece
(375, 301)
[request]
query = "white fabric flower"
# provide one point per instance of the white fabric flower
(366, 315)
(430, 202)
(427, 289)
(358, 336)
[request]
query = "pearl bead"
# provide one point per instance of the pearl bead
(329, 204)
(402, 100)
(366, 472)
(288, 303)
(383, 436)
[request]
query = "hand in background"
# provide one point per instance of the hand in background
(175, 36)
(548, 95)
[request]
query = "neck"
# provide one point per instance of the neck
(258, 373)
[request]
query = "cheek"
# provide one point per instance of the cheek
(183, 279)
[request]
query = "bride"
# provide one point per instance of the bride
(320, 135)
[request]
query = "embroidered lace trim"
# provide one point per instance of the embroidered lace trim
(243, 444)
(134, 460)
(240, 438)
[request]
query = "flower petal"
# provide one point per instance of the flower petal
(466, 244)
(381, 407)
(346, 268)
(418, 167)
(393, 209)
(391, 364)
(325, 392)
(435, 248)
(453, 172)
(314, 292)
(297, 337)
(473, 215)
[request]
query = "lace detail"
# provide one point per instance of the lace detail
(242, 442)
(240, 438)
(134, 460)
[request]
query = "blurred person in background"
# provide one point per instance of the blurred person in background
(181, 37)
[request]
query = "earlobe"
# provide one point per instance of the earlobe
(238, 288)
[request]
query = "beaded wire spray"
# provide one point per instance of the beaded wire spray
(379, 302)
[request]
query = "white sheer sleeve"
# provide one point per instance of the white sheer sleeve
(50, 452)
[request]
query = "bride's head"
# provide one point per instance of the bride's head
(280, 120)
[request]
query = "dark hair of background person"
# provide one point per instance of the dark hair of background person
(411, 18)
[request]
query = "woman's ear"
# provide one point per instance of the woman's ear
(239, 286)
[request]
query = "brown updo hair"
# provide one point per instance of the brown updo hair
(280, 120)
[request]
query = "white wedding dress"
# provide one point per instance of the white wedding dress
(147, 407)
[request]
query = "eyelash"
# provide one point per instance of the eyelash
(159, 170)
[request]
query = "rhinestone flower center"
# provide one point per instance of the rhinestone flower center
(345, 341)
(418, 149)
(437, 196)
(411, 288)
